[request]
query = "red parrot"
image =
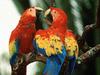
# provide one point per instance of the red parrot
(56, 43)
(21, 38)
(50, 42)
(69, 40)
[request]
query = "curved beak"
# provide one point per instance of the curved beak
(38, 8)
(47, 12)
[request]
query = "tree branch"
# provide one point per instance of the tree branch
(90, 53)
(81, 39)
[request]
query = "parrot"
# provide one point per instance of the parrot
(56, 43)
(70, 43)
(50, 42)
(20, 41)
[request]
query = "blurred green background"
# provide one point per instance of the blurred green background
(80, 13)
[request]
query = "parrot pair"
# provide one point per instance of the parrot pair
(56, 42)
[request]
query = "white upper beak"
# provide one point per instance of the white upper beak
(38, 8)
(47, 12)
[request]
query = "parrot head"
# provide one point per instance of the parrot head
(58, 15)
(30, 14)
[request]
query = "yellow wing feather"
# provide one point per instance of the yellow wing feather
(71, 46)
(52, 45)
(12, 48)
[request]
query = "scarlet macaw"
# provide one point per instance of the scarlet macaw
(54, 43)
(21, 38)
(50, 42)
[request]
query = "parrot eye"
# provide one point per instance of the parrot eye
(55, 12)
(30, 9)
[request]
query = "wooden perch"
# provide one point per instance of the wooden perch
(19, 68)
(41, 59)
(93, 51)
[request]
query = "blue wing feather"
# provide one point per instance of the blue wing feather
(39, 50)
(54, 63)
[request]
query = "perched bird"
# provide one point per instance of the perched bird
(69, 41)
(56, 43)
(20, 42)
(50, 42)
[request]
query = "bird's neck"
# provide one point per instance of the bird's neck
(59, 24)
(25, 23)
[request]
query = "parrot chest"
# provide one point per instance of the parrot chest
(26, 40)
(60, 32)
(50, 42)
